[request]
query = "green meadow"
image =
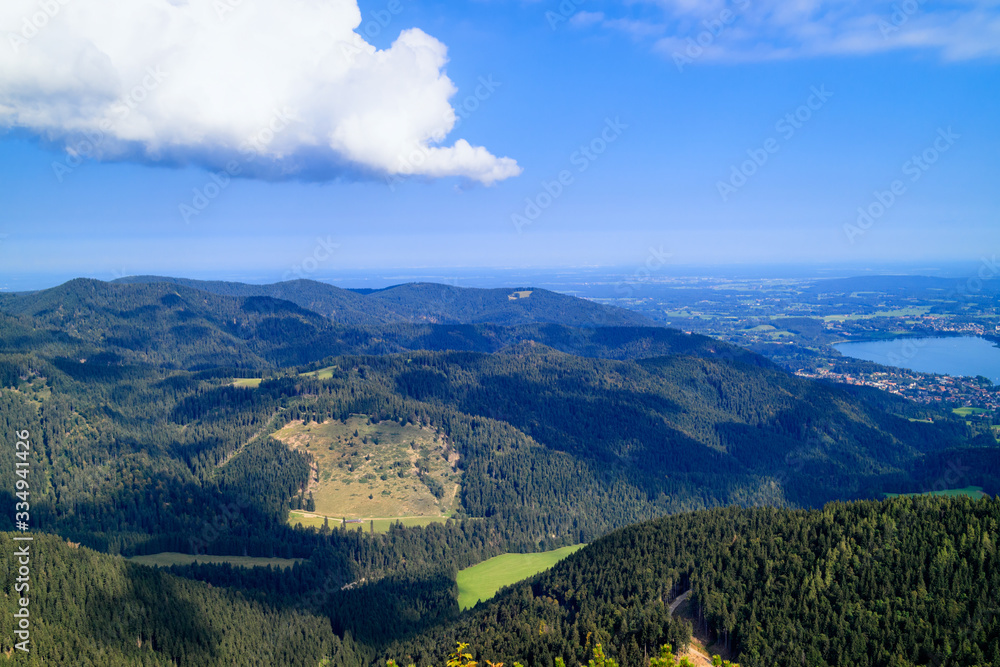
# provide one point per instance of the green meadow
(965, 412)
(483, 581)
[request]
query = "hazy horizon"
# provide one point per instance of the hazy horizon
(544, 277)
(511, 134)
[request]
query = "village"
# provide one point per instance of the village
(959, 392)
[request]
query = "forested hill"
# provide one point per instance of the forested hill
(88, 608)
(665, 434)
(151, 433)
(175, 325)
(424, 303)
(901, 583)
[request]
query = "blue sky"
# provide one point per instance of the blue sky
(759, 145)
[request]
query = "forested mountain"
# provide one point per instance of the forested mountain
(93, 609)
(423, 303)
(174, 325)
(903, 583)
(907, 582)
(143, 442)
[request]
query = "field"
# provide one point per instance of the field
(167, 559)
(965, 412)
(252, 383)
(321, 374)
(381, 470)
(482, 581)
(912, 311)
(971, 491)
(307, 519)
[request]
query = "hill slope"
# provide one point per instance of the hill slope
(180, 325)
(90, 608)
(894, 584)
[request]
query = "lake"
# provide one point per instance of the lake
(957, 355)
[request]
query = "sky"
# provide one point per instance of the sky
(275, 139)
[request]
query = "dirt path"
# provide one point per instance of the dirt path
(260, 432)
(679, 601)
(696, 652)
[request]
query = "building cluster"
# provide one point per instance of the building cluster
(920, 387)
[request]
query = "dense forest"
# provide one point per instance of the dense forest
(911, 581)
(898, 583)
(143, 443)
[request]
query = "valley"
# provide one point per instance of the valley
(394, 471)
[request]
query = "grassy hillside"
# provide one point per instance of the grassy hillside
(898, 583)
(90, 608)
(363, 469)
(482, 581)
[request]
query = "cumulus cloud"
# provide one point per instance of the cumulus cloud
(284, 88)
(760, 30)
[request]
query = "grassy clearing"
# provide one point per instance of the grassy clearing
(365, 469)
(970, 491)
(321, 374)
(168, 558)
(253, 383)
(311, 519)
(482, 581)
(965, 412)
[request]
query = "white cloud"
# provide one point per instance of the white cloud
(285, 87)
(759, 30)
